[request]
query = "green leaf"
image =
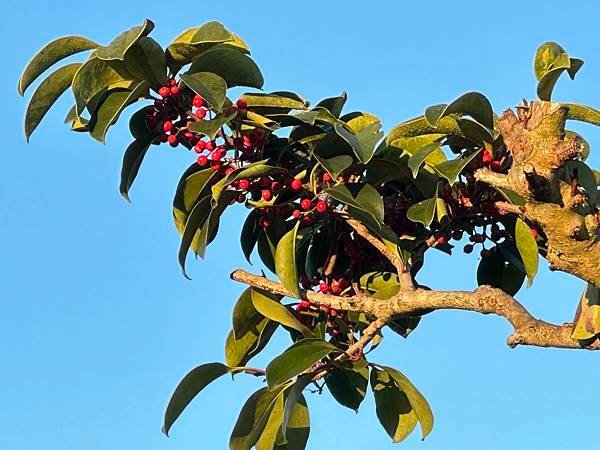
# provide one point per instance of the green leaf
(334, 104)
(275, 102)
(348, 386)
(189, 387)
(46, 95)
(285, 261)
(132, 160)
(269, 306)
(137, 123)
(411, 145)
(49, 55)
(146, 61)
(238, 351)
(270, 433)
(550, 62)
(585, 179)
(586, 324)
(192, 42)
(299, 357)
(111, 108)
(528, 249)
(416, 161)
(335, 165)
(362, 144)
(208, 85)
(582, 113)
(249, 235)
(253, 418)
(494, 270)
(361, 197)
(296, 421)
(97, 76)
(393, 407)
(424, 211)
(472, 104)
(545, 56)
(416, 399)
(211, 127)
(198, 216)
(236, 68)
(452, 168)
(123, 42)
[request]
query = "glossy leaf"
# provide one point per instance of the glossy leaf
(111, 108)
(348, 386)
(191, 385)
(146, 61)
(423, 211)
(197, 218)
(132, 160)
(239, 351)
(393, 407)
(272, 430)
(211, 127)
(208, 85)
(270, 307)
(452, 168)
(285, 261)
(416, 161)
(236, 68)
(299, 357)
(46, 95)
(249, 235)
(362, 197)
(192, 42)
(119, 46)
(296, 420)
(52, 53)
(528, 249)
(334, 104)
(494, 270)
(275, 102)
(472, 104)
(97, 76)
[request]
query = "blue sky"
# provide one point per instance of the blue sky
(97, 323)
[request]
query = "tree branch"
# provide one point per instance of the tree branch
(484, 300)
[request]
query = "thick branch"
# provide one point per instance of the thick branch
(485, 300)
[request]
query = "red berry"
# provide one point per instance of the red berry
(266, 195)
(229, 171)
(264, 222)
(324, 287)
(189, 135)
(296, 184)
(335, 289)
(441, 240)
(326, 177)
(174, 90)
(172, 82)
(241, 198)
(306, 204)
(495, 166)
(164, 91)
(198, 148)
(215, 166)
(167, 126)
(275, 186)
(333, 312)
(244, 184)
(173, 141)
(534, 232)
(201, 114)
(198, 101)
(307, 220)
(163, 137)
(296, 214)
(321, 206)
(202, 160)
(215, 155)
(305, 304)
(210, 146)
(242, 103)
(487, 157)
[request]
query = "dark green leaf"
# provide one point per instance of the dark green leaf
(192, 42)
(50, 55)
(285, 261)
(583, 113)
(119, 46)
(189, 387)
(132, 160)
(250, 232)
(111, 108)
(299, 357)
(494, 270)
(146, 61)
(296, 421)
(472, 104)
(211, 127)
(196, 219)
(423, 212)
(363, 197)
(451, 169)
(236, 68)
(334, 104)
(348, 386)
(239, 351)
(416, 160)
(210, 86)
(46, 94)
(275, 102)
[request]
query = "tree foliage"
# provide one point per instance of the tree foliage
(340, 212)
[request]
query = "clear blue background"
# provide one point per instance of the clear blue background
(97, 324)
